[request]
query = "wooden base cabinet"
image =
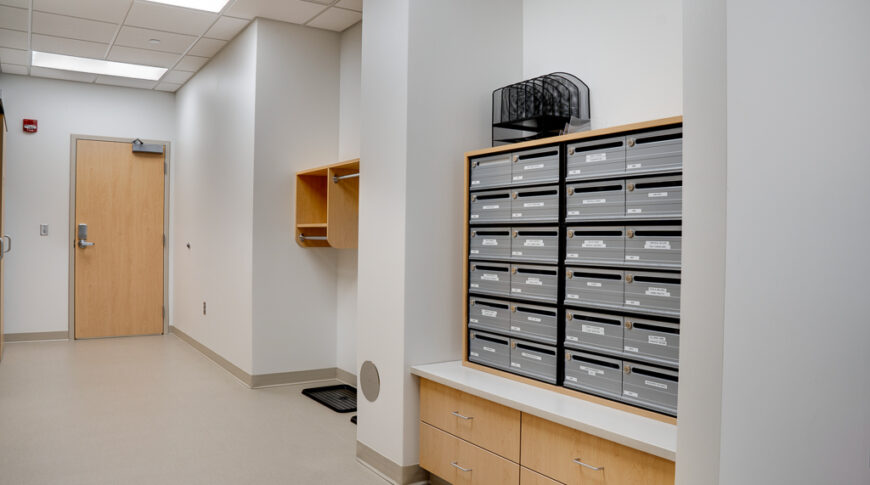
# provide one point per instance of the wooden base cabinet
(462, 463)
(529, 477)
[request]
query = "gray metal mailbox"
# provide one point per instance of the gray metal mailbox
(489, 172)
(538, 166)
(593, 331)
(489, 278)
(658, 197)
(649, 386)
(535, 244)
(490, 243)
(489, 349)
(595, 201)
(648, 292)
(534, 282)
(653, 341)
(490, 315)
(593, 373)
(654, 246)
(597, 158)
(490, 206)
(655, 151)
(594, 287)
(537, 204)
(595, 245)
(533, 360)
(533, 322)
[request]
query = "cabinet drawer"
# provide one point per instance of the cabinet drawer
(461, 463)
(529, 477)
(490, 425)
(555, 450)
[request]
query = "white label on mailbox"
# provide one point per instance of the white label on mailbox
(657, 340)
(657, 194)
(516, 364)
(475, 251)
(631, 166)
(533, 204)
(534, 281)
(655, 384)
(516, 290)
(592, 329)
(517, 214)
(634, 211)
(475, 182)
(572, 255)
(489, 277)
(573, 213)
(629, 393)
(572, 297)
(489, 313)
(632, 302)
(530, 356)
(596, 157)
(593, 284)
(516, 253)
(538, 243)
(516, 329)
(571, 378)
(475, 216)
(591, 371)
(490, 207)
(533, 167)
(490, 242)
(534, 319)
(652, 291)
(657, 245)
(594, 201)
(489, 349)
(474, 354)
(475, 285)
(518, 177)
(593, 243)
(473, 320)
(572, 338)
(632, 258)
(630, 349)
(573, 172)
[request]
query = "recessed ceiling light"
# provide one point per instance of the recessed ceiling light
(96, 66)
(207, 5)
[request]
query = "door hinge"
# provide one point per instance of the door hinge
(164, 240)
(165, 169)
(163, 312)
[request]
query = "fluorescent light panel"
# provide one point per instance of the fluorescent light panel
(96, 66)
(207, 5)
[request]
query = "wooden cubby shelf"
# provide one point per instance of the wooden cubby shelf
(327, 206)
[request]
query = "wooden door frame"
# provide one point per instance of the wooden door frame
(72, 223)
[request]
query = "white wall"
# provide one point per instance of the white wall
(297, 103)
(38, 181)
(628, 53)
(214, 187)
(348, 148)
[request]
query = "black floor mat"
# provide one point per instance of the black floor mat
(340, 398)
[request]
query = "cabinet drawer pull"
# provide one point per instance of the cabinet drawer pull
(456, 413)
(577, 461)
(456, 465)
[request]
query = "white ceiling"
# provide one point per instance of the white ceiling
(142, 32)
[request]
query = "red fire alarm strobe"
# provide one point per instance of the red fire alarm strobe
(29, 126)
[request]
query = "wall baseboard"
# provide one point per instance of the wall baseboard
(388, 469)
(260, 380)
(345, 377)
(35, 336)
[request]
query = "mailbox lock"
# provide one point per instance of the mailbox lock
(513, 308)
(516, 158)
(513, 345)
(513, 271)
(631, 142)
(570, 151)
(474, 198)
(630, 233)
(473, 268)
(627, 369)
(627, 324)
(567, 356)
(569, 274)
(570, 234)
(630, 187)
(570, 190)
(515, 194)
(473, 233)
(473, 302)
(475, 164)
(629, 278)
(569, 316)
(515, 233)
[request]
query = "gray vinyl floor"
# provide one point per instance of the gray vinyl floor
(153, 410)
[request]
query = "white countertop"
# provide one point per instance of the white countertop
(638, 432)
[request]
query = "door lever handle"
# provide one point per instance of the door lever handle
(85, 244)
(8, 247)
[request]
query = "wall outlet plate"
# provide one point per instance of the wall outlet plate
(43, 229)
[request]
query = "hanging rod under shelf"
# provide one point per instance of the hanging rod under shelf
(303, 237)
(336, 178)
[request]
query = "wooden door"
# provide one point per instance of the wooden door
(2, 219)
(119, 279)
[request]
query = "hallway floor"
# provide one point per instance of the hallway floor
(153, 410)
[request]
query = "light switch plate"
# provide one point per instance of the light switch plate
(43, 229)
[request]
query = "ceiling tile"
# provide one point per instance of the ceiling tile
(226, 28)
(141, 38)
(57, 74)
(178, 77)
(13, 39)
(170, 87)
(70, 47)
(191, 63)
(350, 4)
(105, 10)
(126, 82)
(336, 19)
(73, 28)
(293, 11)
(207, 47)
(16, 3)
(169, 18)
(13, 18)
(142, 56)
(14, 56)
(13, 69)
